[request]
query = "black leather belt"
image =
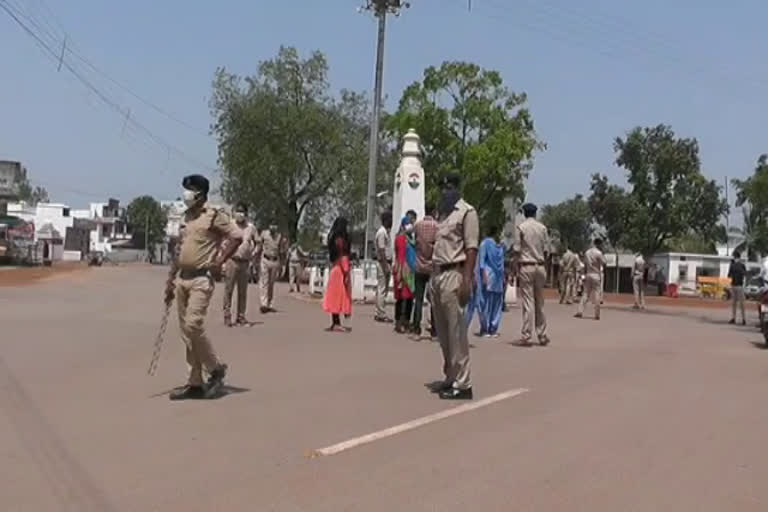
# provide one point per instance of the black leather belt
(240, 260)
(270, 258)
(450, 266)
(531, 264)
(193, 273)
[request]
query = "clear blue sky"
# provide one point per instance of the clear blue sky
(593, 69)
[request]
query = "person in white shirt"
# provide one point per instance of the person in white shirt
(638, 283)
(384, 248)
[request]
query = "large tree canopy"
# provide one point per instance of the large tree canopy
(287, 145)
(469, 121)
(669, 196)
(610, 206)
(752, 197)
(570, 221)
(147, 220)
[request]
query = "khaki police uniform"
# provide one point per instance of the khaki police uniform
(456, 234)
(202, 232)
(270, 267)
(236, 273)
(295, 267)
(531, 244)
(638, 284)
(568, 268)
(383, 243)
(594, 263)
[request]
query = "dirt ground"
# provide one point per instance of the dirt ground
(23, 276)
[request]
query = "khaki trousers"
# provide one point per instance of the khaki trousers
(639, 289)
(192, 299)
(451, 327)
(236, 275)
(567, 290)
(382, 290)
(737, 294)
(592, 292)
(295, 272)
(531, 281)
(270, 270)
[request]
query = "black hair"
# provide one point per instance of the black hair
(241, 207)
(338, 230)
(386, 217)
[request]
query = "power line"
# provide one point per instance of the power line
(16, 15)
(70, 48)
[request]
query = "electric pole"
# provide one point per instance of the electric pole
(380, 9)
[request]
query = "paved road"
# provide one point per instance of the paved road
(641, 412)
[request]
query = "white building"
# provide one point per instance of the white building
(683, 269)
(176, 211)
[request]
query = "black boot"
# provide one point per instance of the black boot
(187, 393)
(216, 381)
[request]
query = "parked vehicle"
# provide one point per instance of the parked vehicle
(763, 313)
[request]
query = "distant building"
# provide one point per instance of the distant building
(9, 187)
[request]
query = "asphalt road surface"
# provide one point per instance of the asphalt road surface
(655, 411)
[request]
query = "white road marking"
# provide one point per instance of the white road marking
(419, 422)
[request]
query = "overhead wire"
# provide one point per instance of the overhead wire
(17, 14)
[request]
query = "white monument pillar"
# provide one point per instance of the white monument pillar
(409, 182)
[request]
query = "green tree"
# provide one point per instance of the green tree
(570, 222)
(669, 196)
(469, 121)
(28, 192)
(286, 144)
(752, 197)
(610, 206)
(147, 221)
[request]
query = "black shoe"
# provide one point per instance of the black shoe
(456, 394)
(187, 393)
(732, 321)
(264, 310)
(216, 381)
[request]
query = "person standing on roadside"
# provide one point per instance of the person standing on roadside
(384, 250)
(237, 268)
(271, 242)
(736, 273)
(426, 233)
(638, 281)
(454, 258)
(531, 248)
(594, 265)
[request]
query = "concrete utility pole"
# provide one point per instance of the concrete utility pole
(380, 9)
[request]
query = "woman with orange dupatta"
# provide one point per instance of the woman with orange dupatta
(338, 293)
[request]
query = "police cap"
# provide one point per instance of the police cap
(196, 183)
(452, 178)
(529, 209)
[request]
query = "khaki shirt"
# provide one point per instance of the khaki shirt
(202, 232)
(639, 268)
(456, 234)
(270, 245)
(248, 247)
(531, 241)
(384, 242)
(594, 261)
(569, 262)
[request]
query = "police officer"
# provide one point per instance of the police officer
(531, 246)
(594, 264)
(296, 257)
(208, 239)
(237, 269)
(270, 266)
(638, 281)
(568, 270)
(454, 258)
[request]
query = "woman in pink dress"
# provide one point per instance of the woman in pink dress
(338, 293)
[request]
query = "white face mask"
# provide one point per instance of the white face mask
(239, 217)
(189, 197)
(409, 228)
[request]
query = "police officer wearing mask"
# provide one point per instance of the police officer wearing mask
(454, 257)
(236, 271)
(208, 239)
(270, 266)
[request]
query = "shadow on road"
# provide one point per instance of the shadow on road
(225, 391)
